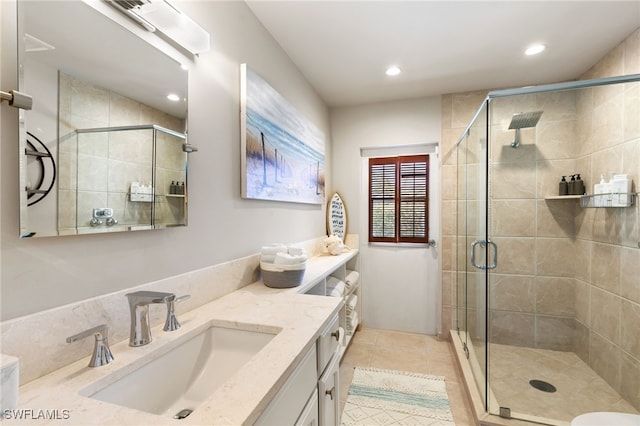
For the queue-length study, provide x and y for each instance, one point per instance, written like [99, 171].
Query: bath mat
[388, 397]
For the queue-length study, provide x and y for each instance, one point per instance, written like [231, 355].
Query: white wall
[401, 285]
[42, 273]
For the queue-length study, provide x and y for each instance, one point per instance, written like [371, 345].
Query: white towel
[351, 278]
[335, 287]
[336, 291]
[352, 323]
[351, 304]
[273, 249]
[288, 259]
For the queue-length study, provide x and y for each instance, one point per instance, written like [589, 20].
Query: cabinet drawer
[290, 401]
[328, 343]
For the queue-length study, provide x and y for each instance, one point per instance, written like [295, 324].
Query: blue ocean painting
[284, 152]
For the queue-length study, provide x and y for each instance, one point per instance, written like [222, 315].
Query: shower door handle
[484, 243]
[494, 263]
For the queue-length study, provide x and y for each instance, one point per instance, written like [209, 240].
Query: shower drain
[542, 385]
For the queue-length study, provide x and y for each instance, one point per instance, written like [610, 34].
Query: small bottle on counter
[563, 186]
[172, 187]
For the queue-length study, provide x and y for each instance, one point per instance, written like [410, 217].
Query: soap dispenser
[578, 186]
[563, 187]
[571, 185]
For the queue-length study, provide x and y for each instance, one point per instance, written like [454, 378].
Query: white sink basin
[186, 375]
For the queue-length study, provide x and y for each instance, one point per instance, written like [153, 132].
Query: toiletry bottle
[571, 186]
[181, 189]
[578, 186]
[563, 187]
[172, 187]
[620, 186]
[599, 188]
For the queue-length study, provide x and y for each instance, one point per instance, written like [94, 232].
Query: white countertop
[241, 399]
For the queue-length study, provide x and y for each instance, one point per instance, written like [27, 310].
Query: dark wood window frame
[399, 199]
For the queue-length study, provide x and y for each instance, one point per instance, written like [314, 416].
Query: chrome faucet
[101, 352]
[139, 302]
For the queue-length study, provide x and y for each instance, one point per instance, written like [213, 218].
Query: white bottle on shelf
[600, 188]
[620, 187]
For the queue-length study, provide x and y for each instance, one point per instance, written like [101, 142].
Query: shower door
[475, 253]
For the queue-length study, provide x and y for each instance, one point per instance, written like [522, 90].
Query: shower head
[522, 120]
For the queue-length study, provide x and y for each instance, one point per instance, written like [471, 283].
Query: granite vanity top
[298, 317]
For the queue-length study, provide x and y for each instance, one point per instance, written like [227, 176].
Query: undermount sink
[175, 383]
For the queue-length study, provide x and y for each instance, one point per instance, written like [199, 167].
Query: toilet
[604, 418]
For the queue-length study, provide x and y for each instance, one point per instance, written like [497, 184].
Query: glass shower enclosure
[548, 282]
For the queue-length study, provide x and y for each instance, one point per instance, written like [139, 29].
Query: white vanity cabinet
[310, 396]
[297, 396]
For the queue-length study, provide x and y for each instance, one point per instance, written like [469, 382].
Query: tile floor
[579, 388]
[407, 352]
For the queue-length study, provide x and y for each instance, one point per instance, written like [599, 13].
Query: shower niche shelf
[608, 200]
[564, 197]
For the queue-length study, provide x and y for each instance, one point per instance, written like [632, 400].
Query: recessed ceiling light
[534, 49]
[393, 71]
[173, 97]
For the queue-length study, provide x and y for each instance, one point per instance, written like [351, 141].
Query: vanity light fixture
[163, 17]
[173, 97]
[534, 49]
[393, 71]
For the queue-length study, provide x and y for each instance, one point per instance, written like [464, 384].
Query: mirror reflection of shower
[523, 120]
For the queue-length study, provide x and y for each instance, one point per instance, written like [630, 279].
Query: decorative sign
[337, 217]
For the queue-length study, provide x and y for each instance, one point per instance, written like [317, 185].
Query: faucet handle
[101, 352]
[172, 324]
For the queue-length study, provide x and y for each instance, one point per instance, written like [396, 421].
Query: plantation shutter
[398, 199]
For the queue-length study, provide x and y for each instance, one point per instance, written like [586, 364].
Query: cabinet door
[309, 416]
[329, 393]
[291, 400]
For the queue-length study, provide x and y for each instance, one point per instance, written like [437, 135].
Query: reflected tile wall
[112, 160]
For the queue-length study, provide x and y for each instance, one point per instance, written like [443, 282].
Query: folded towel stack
[351, 304]
[282, 255]
[352, 322]
[282, 266]
[352, 278]
[268, 253]
[335, 287]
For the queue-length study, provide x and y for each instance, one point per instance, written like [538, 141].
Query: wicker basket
[282, 276]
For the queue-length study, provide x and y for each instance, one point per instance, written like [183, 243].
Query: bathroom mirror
[337, 217]
[103, 149]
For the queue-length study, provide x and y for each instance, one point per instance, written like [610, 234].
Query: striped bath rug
[388, 397]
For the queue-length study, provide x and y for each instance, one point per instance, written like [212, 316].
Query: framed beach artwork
[282, 154]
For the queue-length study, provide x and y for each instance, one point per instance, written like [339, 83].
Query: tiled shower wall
[607, 284]
[568, 278]
[112, 160]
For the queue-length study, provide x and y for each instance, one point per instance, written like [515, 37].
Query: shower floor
[579, 388]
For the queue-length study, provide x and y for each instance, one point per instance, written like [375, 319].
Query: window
[399, 199]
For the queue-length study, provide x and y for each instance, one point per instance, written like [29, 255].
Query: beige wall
[568, 277]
